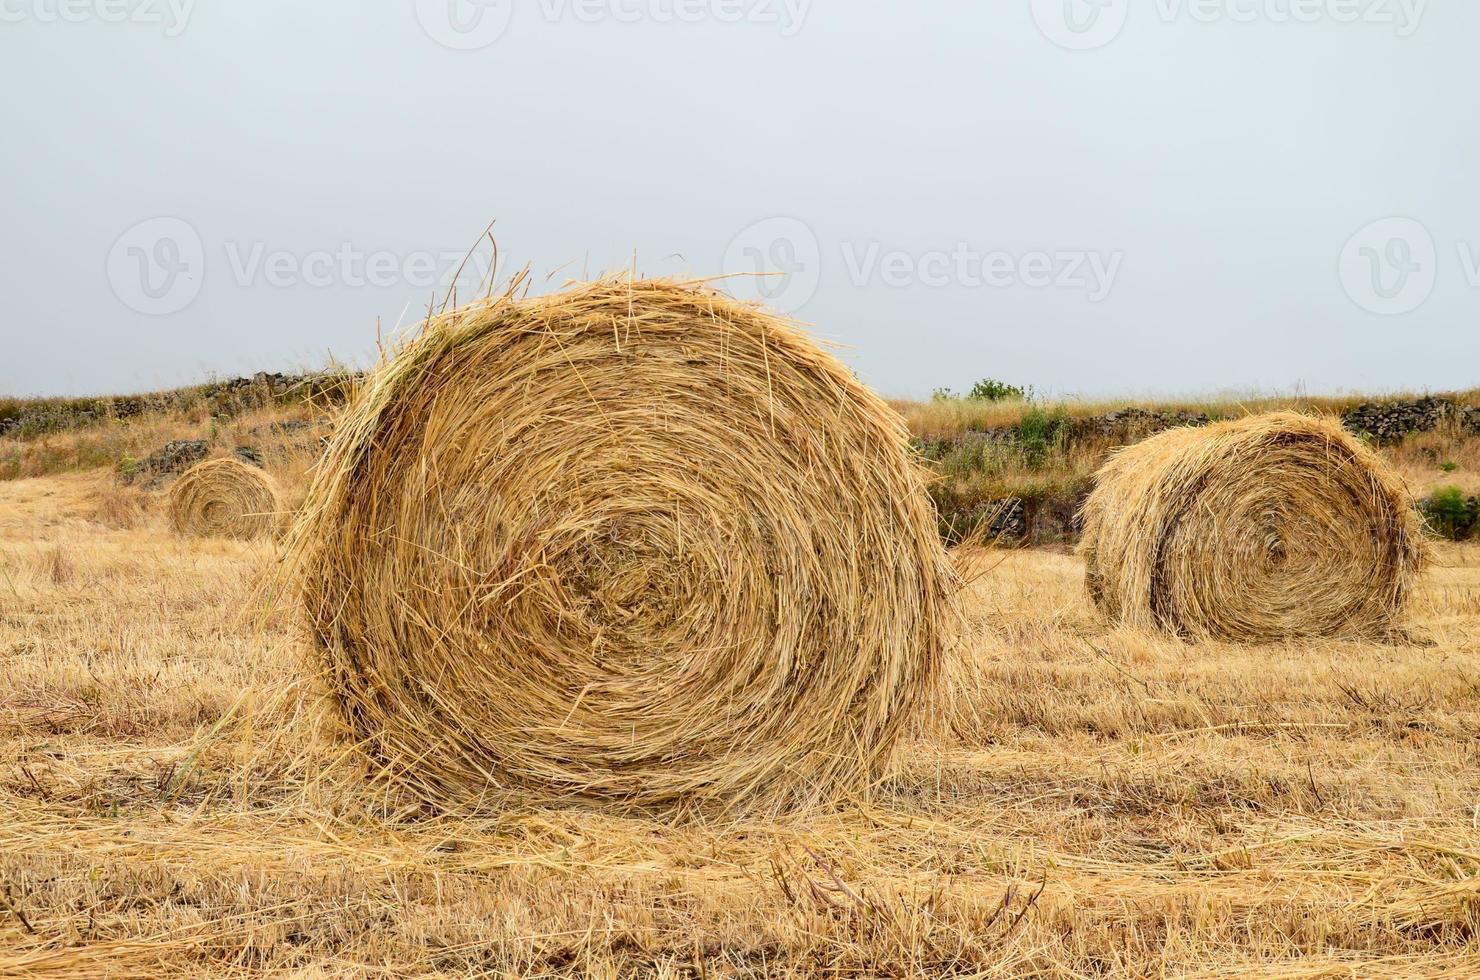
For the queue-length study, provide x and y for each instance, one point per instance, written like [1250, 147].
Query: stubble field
[1110, 804]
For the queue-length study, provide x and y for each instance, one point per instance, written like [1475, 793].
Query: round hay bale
[1264, 528]
[635, 542]
[223, 498]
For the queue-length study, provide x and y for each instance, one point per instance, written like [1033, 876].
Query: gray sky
[1150, 196]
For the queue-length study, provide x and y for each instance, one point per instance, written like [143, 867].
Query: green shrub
[1450, 514]
[992, 390]
[1449, 466]
[1040, 433]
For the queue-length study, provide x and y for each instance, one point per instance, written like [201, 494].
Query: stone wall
[229, 397]
[1383, 421]
[1388, 422]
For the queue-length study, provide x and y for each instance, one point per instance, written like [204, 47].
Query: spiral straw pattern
[223, 498]
[1265, 528]
[633, 542]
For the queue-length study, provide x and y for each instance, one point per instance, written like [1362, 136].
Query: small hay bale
[1265, 528]
[637, 543]
[223, 498]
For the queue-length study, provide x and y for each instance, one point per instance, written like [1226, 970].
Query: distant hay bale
[636, 542]
[1264, 528]
[223, 498]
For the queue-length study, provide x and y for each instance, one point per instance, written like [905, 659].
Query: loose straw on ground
[1268, 527]
[223, 498]
[634, 542]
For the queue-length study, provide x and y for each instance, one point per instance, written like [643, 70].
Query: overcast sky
[1138, 197]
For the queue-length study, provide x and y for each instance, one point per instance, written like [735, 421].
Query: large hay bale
[634, 542]
[1268, 527]
[223, 498]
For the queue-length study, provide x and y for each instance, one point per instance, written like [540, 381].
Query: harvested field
[1126, 804]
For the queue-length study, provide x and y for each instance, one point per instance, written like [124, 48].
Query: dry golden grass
[950, 417]
[1447, 456]
[1122, 804]
[120, 444]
